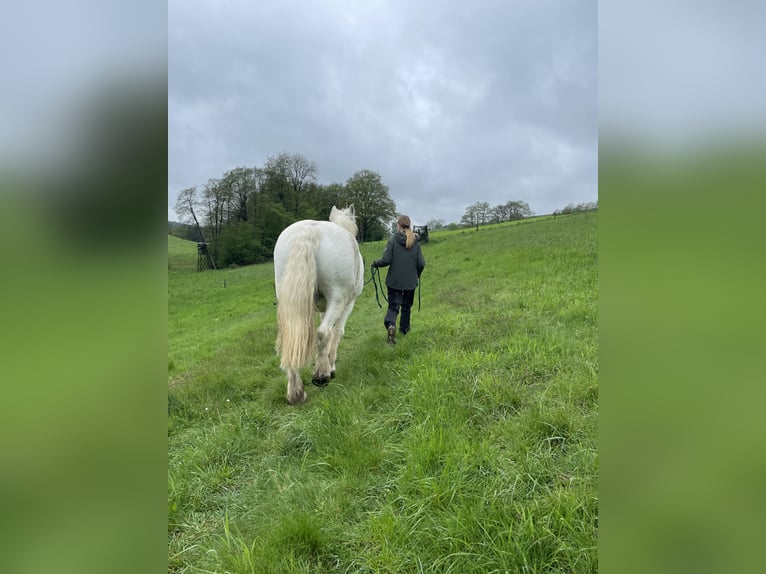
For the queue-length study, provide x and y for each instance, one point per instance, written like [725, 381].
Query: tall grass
[470, 446]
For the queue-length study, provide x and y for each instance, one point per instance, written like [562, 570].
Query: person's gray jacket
[406, 265]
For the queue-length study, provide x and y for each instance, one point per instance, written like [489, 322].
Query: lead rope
[375, 278]
[418, 294]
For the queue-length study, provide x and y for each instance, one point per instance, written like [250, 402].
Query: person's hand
[373, 267]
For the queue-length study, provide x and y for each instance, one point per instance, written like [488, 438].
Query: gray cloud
[451, 104]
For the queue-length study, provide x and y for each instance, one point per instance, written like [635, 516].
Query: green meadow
[470, 446]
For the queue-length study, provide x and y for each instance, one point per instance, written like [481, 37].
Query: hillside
[471, 446]
[182, 254]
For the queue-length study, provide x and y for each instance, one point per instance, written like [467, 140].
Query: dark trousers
[399, 299]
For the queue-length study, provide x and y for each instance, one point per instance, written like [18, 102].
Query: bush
[239, 245]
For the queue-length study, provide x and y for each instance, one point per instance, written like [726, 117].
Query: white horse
[317, 268]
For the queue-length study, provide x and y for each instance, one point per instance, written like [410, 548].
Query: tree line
[241, 214]
[481, 213]
[576, 208]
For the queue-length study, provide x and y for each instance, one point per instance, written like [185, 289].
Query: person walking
[405, 260]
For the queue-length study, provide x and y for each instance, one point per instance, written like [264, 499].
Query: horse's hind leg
[325, 335]
[332, 348]
[295, 392]
[337, 335]
[322, 373]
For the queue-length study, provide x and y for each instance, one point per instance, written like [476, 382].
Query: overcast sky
[450, 102]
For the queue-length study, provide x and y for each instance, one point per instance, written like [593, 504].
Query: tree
[516, 210]
[240, 184]
[300, 172]
[371, 201]
[255, 200]
[218, 202]
[497, 214]
[436, 224]
[572, 208]
[476, 214]
[334, 194]
[319, 199]
[287, 179]
[483, 211]
[185, 204]
[276, 180]
[470, 216]
[273, 219]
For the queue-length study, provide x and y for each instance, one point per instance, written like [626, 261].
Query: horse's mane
[345, 218]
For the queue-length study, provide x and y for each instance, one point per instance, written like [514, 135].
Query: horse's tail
[295, 306]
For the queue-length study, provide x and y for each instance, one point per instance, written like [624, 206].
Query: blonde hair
[404, 223]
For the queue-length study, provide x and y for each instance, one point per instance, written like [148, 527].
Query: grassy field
[470, 446]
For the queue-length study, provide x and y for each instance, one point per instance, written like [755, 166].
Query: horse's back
[338, 261]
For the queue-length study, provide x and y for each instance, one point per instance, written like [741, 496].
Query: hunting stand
[204, 260]
[422, 232]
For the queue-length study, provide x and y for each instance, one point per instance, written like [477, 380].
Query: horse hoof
[321, 381]
[332, 374]
[299, 399]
